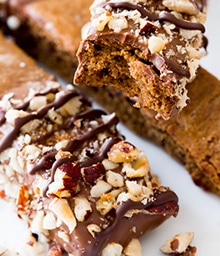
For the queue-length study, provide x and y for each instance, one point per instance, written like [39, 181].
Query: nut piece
[123, 152]
[112, 249]
[100, 188]
[178, 244]
[182, 6]
[61, 208]
[93, 229]
[133, 248]
[156, 44]
[57, 187]
[82, 208]
[114, 179]
[22, 199]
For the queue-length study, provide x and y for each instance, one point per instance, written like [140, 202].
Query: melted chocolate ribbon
[163, 16]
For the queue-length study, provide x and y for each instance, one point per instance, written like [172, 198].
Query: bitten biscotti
[148, 49]
[73, 178]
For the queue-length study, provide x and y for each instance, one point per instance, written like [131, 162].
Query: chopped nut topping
[100, 188]
[63, 212]
[178, 244]
[82, 208]
[73, 177]
[183, 6]
[123, 152]
[112, 249]
[22, 199]
[93, 229]
[133, 248]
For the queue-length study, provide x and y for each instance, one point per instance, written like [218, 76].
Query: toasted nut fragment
[112, 249]
[109, 165]
[93, 229]
[114, 179]
[137, 191]
[100, 188]
[57, 187]
[12, 114]
[22, 199]
[55, 117]
[104, 206]
[71, 107]
[38, 102]
[37, 223]
[100, 22]
[179, 243]
[141, 162]
[49, 221]
[82, 208]
[118, 23]
[61, 208]
[137, 169]
[123, 152]
[63, 235]
[30, 126]
[156, 44]
[133, 248]
[182, 6]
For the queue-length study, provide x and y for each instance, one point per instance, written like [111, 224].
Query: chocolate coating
[91, 137]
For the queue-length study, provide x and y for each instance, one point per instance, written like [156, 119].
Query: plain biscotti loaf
[49, 30]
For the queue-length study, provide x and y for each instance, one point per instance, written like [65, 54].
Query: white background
[199, 211]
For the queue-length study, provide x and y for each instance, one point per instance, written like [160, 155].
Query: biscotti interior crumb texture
[148, 49]
[72, 177]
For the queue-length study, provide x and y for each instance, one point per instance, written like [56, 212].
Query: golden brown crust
[54, 30]
[16, 67]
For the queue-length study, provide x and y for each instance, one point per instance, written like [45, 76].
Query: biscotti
[73, 178]
[32, 23]
[150, 50]
[186, 137]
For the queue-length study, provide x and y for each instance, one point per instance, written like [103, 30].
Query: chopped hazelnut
[178, 244]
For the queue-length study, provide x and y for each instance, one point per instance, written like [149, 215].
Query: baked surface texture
[192, 137]
[148, 49]
[80, 186]
[48, 30]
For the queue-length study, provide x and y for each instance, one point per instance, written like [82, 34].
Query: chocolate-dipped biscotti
[148, 49]
[189, 137]
[80, 186]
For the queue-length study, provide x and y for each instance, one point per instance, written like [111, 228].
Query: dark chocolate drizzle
[163, 16]
[48, 160]
[26, 104]
[165, 201]
[74, 144]
[20, 121]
